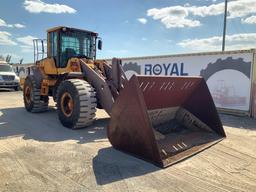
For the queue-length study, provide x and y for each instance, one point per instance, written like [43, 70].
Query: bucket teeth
[164, 119]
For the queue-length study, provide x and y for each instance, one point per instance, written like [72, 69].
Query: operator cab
[64, 43]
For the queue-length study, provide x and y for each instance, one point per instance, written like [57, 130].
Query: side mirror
[100, 44]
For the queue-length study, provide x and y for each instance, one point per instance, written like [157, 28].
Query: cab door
[53, 47]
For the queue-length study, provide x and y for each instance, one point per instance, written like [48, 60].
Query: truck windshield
[5, 68]
[76, 44]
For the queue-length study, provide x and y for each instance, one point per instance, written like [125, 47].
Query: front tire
[76, 103]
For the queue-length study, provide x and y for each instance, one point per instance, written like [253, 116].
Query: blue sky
[130, 27]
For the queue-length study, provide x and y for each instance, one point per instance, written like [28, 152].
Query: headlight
[17, 78]
[1, 78]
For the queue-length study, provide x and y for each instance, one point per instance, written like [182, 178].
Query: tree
[8, 58]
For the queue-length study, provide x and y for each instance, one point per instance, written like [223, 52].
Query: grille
[8, 77]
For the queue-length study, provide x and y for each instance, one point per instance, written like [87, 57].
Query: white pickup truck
[8, 78]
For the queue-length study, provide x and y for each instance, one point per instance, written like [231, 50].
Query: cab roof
[70, 29]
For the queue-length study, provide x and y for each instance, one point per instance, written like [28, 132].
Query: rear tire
[76, 103]
[33, 101]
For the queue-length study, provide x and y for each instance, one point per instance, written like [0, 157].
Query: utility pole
[225, 25]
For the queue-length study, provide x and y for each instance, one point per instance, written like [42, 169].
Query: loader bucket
[164, 119]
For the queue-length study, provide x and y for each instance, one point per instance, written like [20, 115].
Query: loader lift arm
[107, 80]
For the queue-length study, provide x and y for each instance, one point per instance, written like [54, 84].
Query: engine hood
[7, 73]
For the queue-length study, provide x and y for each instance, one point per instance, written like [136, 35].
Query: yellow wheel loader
[159, 119]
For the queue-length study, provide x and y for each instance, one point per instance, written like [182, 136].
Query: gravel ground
[38, 154]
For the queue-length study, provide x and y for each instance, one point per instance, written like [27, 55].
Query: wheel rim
[28, 94]
[67, 104]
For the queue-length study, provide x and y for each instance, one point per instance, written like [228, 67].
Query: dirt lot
[38, 154]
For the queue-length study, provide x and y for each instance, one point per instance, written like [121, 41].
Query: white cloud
[142, 20]
[38, 6]
[17, 25]
[5, 38]
[236, 41]
[144, 39]
[4, 24]
[241, 8]
[203, 11]
[183, 16]
[250, 20]
[173, 17]
[236, 8]
[26, 43]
